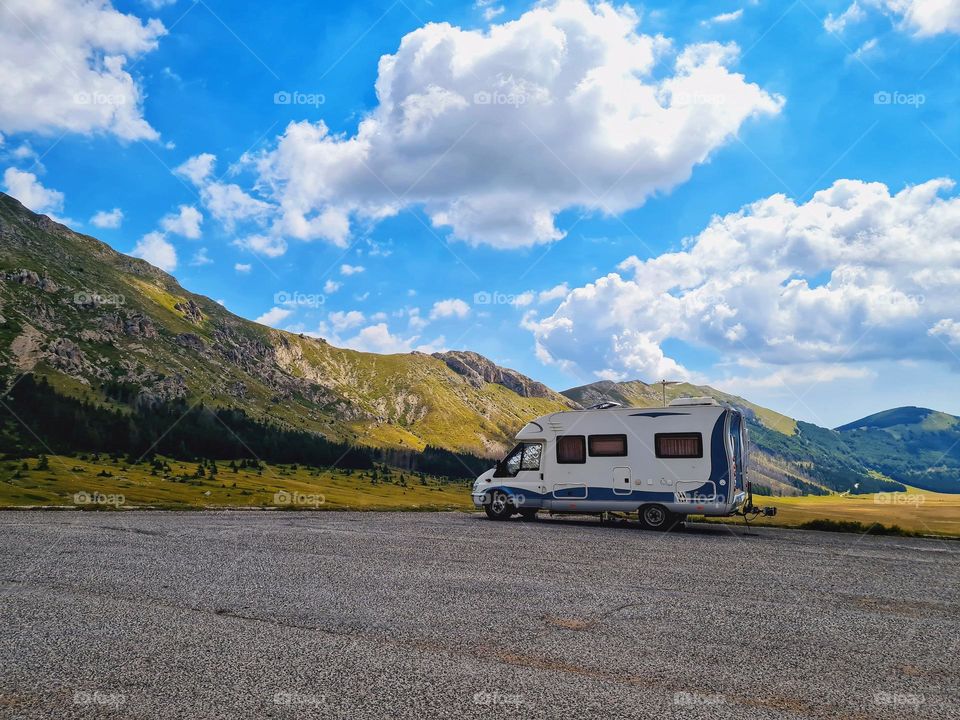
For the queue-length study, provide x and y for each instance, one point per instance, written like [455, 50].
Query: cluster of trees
[35, 419]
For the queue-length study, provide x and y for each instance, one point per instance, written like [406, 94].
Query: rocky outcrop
[133, 324]
[191, 311]
[478, 371]
[191, 342]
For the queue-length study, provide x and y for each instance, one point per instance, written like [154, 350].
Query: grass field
[106, 483]
[103, 482]
[915, 510]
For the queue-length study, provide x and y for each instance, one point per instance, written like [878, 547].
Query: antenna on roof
[663, 388]
[606, 405]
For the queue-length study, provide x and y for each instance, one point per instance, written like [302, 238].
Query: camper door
[520, 473]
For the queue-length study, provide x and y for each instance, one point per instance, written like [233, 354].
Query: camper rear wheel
[657, 517]
[499, 507]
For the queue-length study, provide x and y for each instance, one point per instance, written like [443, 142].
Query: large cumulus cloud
[855, 273]
[494, 132]
[63, 67]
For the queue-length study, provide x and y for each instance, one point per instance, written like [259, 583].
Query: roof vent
[605, 405]
[687, 401]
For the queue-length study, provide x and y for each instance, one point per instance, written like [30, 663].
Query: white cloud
[343, 320]
[111, 219]
[331, 286]
[201, 258]
[378, 338]
[227, 202]
[263, 245]
[274, 316]
[948, 329]
[797, 376]
[351, 269]
[25, 187]
[523, 299]
[923, 18]
[186, 221]
[198, 168]
[156, 250]
[724, 18]
[865, 48]
[554, 293]
[62, 64]
[452, 307]
[494, 132]
[855, 274]
[242, 268]
[850, 16]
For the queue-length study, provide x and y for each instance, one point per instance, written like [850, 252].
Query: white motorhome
[664, 463]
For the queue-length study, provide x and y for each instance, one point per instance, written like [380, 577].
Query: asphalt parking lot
[417, 615]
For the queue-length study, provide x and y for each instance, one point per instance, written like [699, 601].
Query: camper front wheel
[656, 517]
[500, 507]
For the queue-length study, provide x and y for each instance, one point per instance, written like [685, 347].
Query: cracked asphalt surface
[416, 615]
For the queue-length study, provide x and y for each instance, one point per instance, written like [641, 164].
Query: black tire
[529, 514]
[657, 517]
[499, 507]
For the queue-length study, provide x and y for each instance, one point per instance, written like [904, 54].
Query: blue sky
[753, 195]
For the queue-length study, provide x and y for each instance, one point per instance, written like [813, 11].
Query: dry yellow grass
[915, 510]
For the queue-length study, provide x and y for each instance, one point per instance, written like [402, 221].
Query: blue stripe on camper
[593, 494]
[656, 414]
[719, 465]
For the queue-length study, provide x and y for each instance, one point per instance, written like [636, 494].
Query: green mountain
[99, 350]
[916, 445]
[115, 331]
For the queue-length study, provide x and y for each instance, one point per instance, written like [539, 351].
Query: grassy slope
[332, 490]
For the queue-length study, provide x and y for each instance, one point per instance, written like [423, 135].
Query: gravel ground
[405, 615]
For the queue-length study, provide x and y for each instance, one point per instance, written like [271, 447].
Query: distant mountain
[916, 445]
[904, 420]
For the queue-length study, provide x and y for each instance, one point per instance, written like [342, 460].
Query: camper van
[663, 463]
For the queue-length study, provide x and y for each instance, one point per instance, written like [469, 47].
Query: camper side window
[608, 445]
[679, 445]
[571, 449]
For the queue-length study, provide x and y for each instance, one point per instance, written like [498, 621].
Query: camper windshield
[525, 456]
